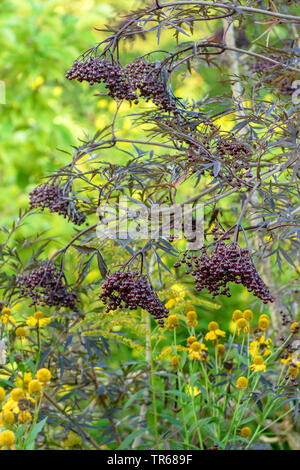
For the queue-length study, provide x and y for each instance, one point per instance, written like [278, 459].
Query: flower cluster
[46, 286]
[132, 290]
[56, 198]
[227, 263]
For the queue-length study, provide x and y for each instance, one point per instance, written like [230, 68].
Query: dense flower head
[245, 432]
[198, 351]
[43, 375]
[20, 332]
[191, 318]
[295, 327]
[236, 315]
[248, 315]
[214, 332]
[7, 439]
[221, 350]
[34, 387]
[173, 322]
[190, 340]
[258, 364]
[263, 323]
[16, 394]
[7, 417]
[242, 383]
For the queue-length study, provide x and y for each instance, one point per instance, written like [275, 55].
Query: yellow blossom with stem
[173, 322]
[43, 375]
[242, 324]
[198, 351]
[191, 318]
[242, 383]
[248, 315]
[214, 332]
[34, 387]
[263, 322]
[258, 364]
[20, 332]
[260, 346]
[190, 340]
[236, 315]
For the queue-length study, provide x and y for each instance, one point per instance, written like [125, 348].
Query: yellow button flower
[220, 350]
[20, 332]
[43, 375]
[198, 351]
[248, 315]
[34, 387]
[7, 439]
[191, 339]
[214, 332]
[246, 432]
[236, 315]
[263, 323]
[173, 322]
[16, 394]
[191, 318]
[242, 383]
[8, 417]
[258, 364]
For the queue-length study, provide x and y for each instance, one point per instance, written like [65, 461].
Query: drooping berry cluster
[132, 290]
[147, 78]
[56, 198]
[226, 263]
[96, 70]
[46, 286]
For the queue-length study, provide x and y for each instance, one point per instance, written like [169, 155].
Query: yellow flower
[16, 394]
[7, 439]
[173, 322]
[260, 347]
[198, 351]
[34, 387]
[242, 324]
[20, 332]
[258, 364]
[245, 432]
[43, 375]
[24, 417]
[295, 326]
[2, 394]
[220, 350]
[38, 315]
[263, 323]
[32, 321]
[242, 383]
[214, 331]
[8, 417]
[236, 315]
[6, 311]
[192, 391]
[286, 360]
[170, 303]
[191, 339]
[191, 318]
[248, 315]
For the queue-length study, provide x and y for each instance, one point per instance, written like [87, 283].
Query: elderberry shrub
[57, 199]
[46, 286]
[226, 263]
[96, 70]
[132, 290]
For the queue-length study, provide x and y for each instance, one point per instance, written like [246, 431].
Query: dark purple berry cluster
[131, 290]
[96, 70]
[46, 286]
[226, 263]
[56, 198]
[147, 78]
